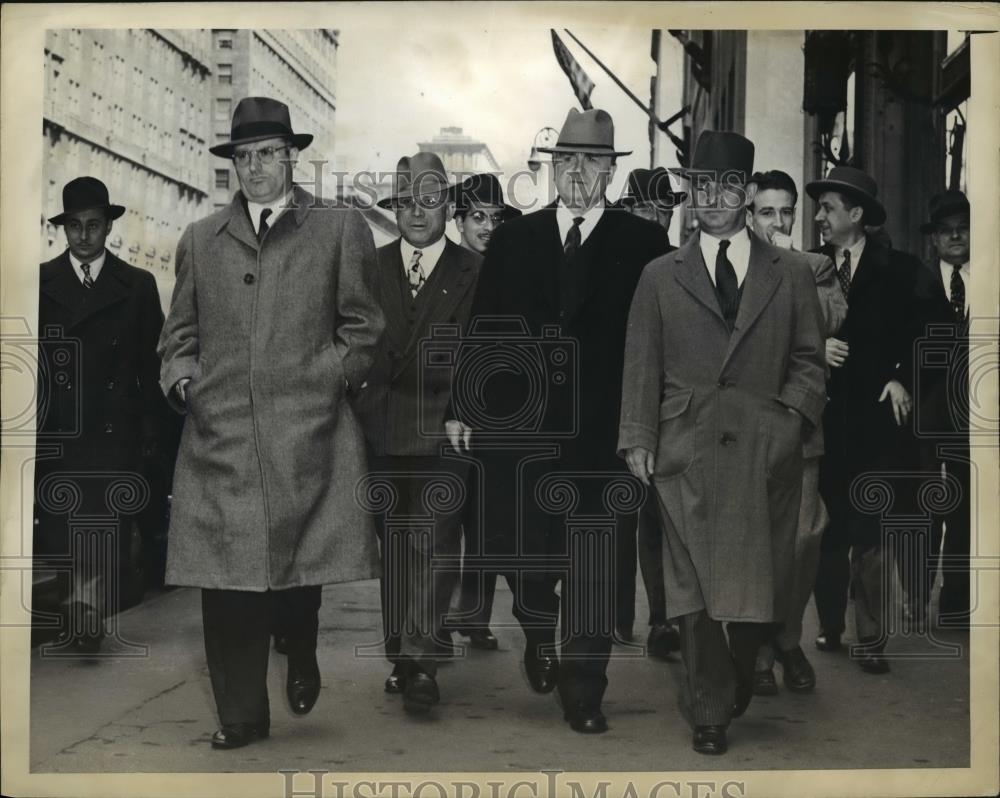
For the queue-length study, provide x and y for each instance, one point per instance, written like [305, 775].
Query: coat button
[111, 385]
[68, 386]
[114, 342]
[108, 429]
[723, 384]
[248, 278]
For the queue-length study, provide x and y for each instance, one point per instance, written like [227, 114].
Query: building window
[225, 74]
[224, 40]
[223, 106]
[222, 178]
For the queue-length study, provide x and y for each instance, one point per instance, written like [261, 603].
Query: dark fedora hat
[591, 132]
[419, 175]
[855, 184]
[257, 119]
[86, 194]
[653, 186]
[482, 189]
[722, 152]
[944, 206]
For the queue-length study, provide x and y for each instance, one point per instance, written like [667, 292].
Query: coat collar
[60, 283]
[235, 221]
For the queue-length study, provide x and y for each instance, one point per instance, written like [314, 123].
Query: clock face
[547, 137]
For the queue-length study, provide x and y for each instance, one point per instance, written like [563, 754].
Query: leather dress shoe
[420, 692]
[869, 657]
[764, 683]
[828, 642]
[586, 720]
[744, 695]
[624, 633]
[663, 640]
[303, 684]
[542, 672]
[236, 735]
[281, 644]
[710, 739]
[483, 639]
[799, 675]
[396, 680]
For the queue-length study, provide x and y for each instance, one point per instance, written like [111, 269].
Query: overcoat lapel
[546, 278]
[758, 287]
[237, 223]
[389, 275]
[109, 289]
[61, 284]
[693, 277]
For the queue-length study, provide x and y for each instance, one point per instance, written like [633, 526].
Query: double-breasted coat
[273, 336]
[714, 409]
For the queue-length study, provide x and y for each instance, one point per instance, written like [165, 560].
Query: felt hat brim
[874, 212]
[113, 211]
[298, 140]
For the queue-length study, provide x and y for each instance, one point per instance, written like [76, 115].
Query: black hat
[857, 185]
[419, 175]
[653, 186]
[86, 194]
[257, 119]
[482, 189]
[721, 152]
[944, 206]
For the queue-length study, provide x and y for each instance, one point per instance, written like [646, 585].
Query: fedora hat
[481, 189]
[855, 184]
[417, 175]
[257, 119]
[944, 206]
[592, 132]
[86, 194]
[721, 152]
[653, 186]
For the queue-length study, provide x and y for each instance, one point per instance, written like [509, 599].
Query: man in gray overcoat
[272, 328]
[723, 376]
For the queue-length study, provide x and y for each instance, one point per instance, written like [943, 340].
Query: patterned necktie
[844, 273]
[264, 226]
[573, 239]
[727, 284]
[416, 273]
[88, 281]
[958, 294]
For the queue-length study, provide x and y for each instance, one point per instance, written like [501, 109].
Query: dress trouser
[955, 595]
[812, 521]
[833, 579]
[626, 549]
[237, 626]
[713, 667]
[478, 585]
[650, 544]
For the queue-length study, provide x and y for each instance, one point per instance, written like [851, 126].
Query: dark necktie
[416, 273]
[844, 273]
[88, 281]
[264, 226]
[573, 239]
[726, 283]
[958, 294]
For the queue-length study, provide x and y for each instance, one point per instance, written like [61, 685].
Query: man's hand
[457, 431]
[901, 401]
[180, 388]
[640, 463]
[836, 352]
[781, 240]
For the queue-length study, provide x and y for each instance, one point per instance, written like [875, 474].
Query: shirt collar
[565, 217]
[95, 265]
[431, 252]
[277, 206]
[855, 249]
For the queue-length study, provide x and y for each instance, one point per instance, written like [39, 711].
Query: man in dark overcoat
[272, 329]
[100, 408]
[423, 279]
[723, 378]
[537, 387]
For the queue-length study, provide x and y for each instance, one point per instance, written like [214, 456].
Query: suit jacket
[714, 409]
[403, 408]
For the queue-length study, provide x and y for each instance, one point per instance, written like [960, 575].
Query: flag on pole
[582, 85]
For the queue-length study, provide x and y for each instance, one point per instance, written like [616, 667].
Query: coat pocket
[676, 449]
[784, 445]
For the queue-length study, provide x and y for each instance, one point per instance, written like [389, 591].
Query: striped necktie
[88, 281]
[416, 273]
[844, 273]
[958, 294]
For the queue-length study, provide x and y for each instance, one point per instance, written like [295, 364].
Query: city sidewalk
[155, 713]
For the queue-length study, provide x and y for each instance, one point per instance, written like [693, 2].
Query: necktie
[844, 273]
[88, 281]
[726, 283]
[573, 239]
[958, 294]
[416, 273]
[264, 226]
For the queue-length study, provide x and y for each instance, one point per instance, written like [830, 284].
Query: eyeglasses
[480, 217]
[426, 201]
[588, 160]
[265, 155]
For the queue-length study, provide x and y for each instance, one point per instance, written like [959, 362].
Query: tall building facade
[460, 153]
[130, 107]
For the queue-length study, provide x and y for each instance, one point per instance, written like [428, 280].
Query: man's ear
[451, 210]
[749, 192]
[855, 213]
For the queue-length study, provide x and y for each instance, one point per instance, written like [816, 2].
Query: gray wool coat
[714, 409]
[274, 337]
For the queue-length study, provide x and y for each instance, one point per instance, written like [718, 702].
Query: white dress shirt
[565, 217]
[738, 253]
[946, 272]
[855, 250]
[95, 265]
[428, 260]
[276, 207]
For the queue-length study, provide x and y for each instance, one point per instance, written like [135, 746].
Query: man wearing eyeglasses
[272, 330]
[480, 209]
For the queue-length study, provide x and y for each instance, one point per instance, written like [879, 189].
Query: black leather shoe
[624, 633]
[281, 644]
[710, 739]
[764, 683]
[236, 735]
[799, 675]
[869, 657]
[302, 685]
[744, 695]
[542, 672]
[420, 692]
[828, 642]
[586, 720]
[396, 680]
[483, 639]
[663, 640]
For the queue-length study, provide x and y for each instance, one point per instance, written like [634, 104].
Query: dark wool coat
[271, 336]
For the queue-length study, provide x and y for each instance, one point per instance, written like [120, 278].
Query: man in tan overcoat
[272, 328]
[723, 376]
